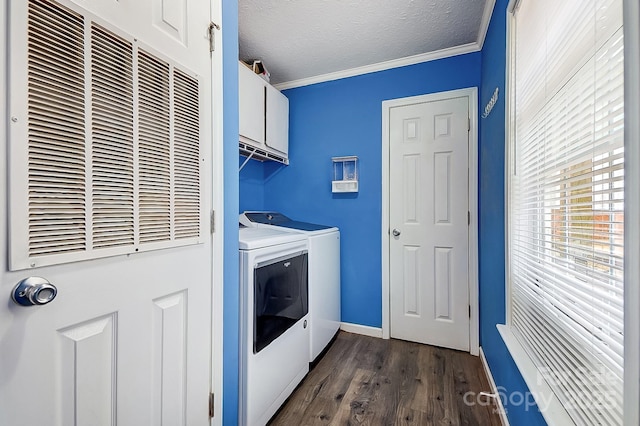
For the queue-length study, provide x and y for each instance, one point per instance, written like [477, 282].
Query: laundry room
[328, 121]
[342, 118]
[357, 114]
[270, 213]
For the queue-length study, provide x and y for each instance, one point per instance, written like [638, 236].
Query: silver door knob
[395, 233]
[34, 291]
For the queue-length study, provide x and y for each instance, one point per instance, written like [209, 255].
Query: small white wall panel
[169, 359]
[442, 187]
[443, 285]
[88, 372]
[411, 196]
[412, 280]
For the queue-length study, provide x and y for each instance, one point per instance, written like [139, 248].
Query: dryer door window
[280, 298]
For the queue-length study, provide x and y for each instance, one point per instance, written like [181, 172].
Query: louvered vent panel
[112, 144]
[154, 149]
[56, 130]
[186, 156]
[112, 139]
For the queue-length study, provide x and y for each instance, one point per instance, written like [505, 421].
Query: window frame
[548, 404]
[631, 17]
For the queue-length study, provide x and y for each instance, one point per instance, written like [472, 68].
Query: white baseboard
[494, 389]
[361, 329]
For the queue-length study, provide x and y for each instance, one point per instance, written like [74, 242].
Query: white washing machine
[324, 273]
[274, 317]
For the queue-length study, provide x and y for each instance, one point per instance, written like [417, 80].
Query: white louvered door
[108, 189]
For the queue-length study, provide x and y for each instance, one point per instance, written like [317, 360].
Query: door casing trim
[472, 94]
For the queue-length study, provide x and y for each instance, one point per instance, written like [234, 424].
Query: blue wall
[231, 190]
[344, 117]
[251, 185]
[491, 234]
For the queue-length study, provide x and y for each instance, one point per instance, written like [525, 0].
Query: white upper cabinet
[252, 105]
[264, 118]
[277, 113]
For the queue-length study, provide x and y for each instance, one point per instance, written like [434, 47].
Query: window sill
[548, 404]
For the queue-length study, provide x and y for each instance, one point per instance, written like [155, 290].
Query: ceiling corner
[484, 24]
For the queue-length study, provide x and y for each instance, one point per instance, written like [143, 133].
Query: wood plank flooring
[368, 381]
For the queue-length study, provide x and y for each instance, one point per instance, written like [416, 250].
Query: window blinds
[566, 200]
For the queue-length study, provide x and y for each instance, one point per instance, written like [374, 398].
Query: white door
[429, 292]
[108, 112]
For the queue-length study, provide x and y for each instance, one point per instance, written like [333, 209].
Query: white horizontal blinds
[566, 201]
[186, 156]
[154, 149]
[112, 139]
[113, 159]
[56, 130]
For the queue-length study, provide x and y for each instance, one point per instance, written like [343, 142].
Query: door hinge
[212, 35]
[468, 124]
[469, 311]
[213, 221]
[211, 405]
[468, 218]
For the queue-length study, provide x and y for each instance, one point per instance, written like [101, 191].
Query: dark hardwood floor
[367, 381]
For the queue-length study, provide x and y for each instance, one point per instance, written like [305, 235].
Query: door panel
[88, 356]
[442, 283]
[442, 187]
[170, 16]
[127, 340]
[411, 275]
[411, 171]
[428, 211]
[168, 358]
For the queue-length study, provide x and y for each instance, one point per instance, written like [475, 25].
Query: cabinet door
[252, 104]
[277, 136]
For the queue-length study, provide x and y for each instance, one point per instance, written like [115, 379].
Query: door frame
[472, 94]
[217, 224]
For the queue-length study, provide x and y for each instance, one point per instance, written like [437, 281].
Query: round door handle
[34, 291]
[395, 233]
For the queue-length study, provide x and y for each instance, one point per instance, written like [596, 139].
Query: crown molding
[484, 23]
[381, 66]
[402, 62]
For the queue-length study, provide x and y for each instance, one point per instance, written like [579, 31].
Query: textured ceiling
[303, 39]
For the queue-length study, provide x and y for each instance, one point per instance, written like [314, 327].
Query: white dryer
[324, 273]
[273, 320]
